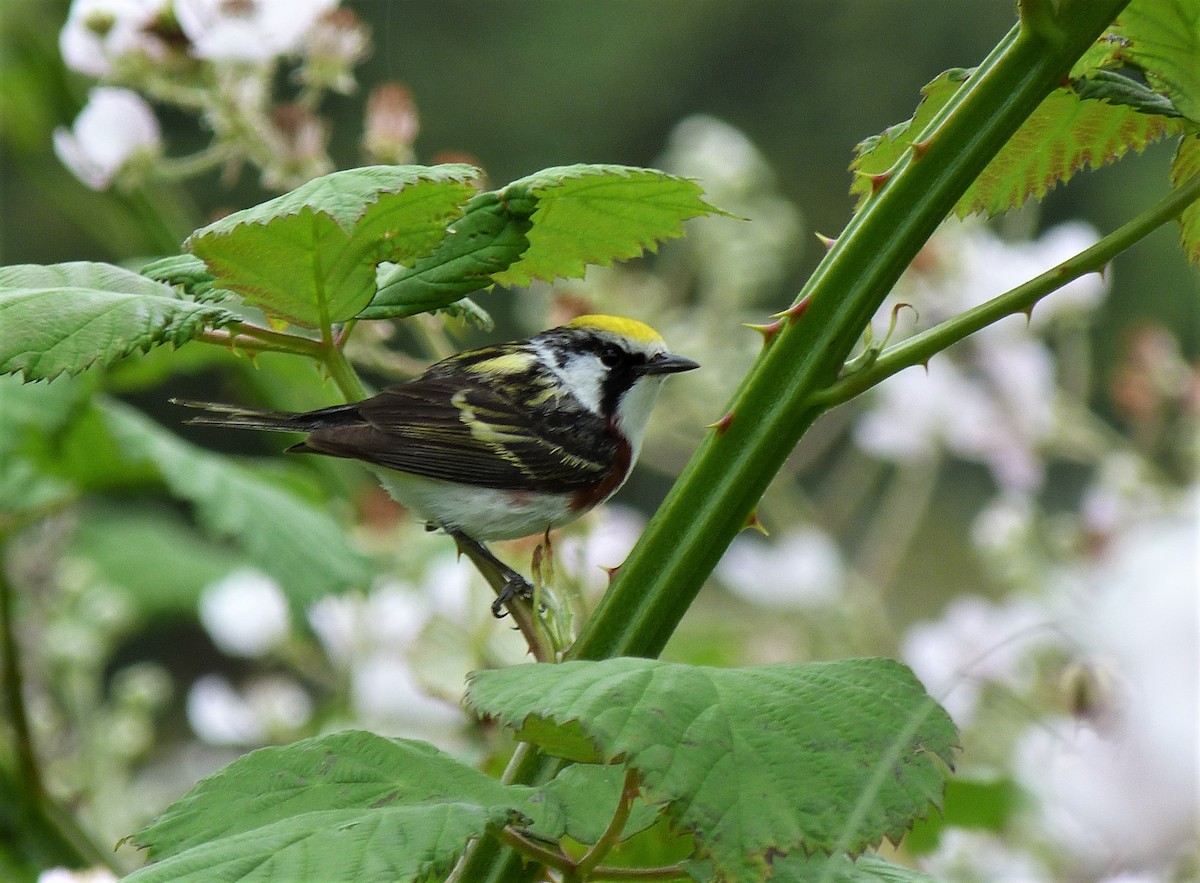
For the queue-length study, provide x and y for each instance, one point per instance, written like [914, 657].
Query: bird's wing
[463, 431]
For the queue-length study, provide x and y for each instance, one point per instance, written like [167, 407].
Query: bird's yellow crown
[630, 328]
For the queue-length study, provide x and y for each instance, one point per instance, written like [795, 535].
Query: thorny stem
[918, 349]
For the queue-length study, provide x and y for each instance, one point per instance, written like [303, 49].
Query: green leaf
[755, 762]
[596, 214]
[309, 256]
[189, 273]
[352, 806]
[586, 797]
[284, 534]
[1064, 134]
[1162, 38]
[395, 844]
[65, 318]
[488, 238]
[1186, 165]
[1116, 88]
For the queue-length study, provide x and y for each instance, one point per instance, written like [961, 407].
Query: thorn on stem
[611, 571]
[826, 241]
[794, 312]
[920, 147]
[722, 425]
[877, 180]
[753, 522]
[768, 331]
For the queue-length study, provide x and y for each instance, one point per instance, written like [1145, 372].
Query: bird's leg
[515, 585]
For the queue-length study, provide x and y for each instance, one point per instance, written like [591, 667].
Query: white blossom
[975, 642]
[609, 538]
[980, 857]
[384, 692]
[246, 613]
[114, 128]
[67, 875]
[268, 707]
[99, 32]
[1120, 793]
[800, 568]
[248, 30]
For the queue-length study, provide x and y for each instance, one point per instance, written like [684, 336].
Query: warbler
[502, 442]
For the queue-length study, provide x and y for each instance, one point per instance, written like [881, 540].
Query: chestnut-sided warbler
[501, 442]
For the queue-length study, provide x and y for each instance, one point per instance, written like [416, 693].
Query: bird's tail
[246, 418]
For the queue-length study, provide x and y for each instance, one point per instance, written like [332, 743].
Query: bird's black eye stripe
[611, 355]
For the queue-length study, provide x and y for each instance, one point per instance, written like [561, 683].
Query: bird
[506, 441]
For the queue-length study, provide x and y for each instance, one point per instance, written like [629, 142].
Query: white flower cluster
[216, 58]
[1114, 780]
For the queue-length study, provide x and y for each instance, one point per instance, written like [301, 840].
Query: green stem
[278, 341]
[248, 343]
[723, 482]
[521, 611]
[343, 373]
[920, 348]
[182, 167]
[612, 833]
[532, 850]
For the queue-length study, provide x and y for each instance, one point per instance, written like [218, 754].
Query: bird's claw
[516, 587]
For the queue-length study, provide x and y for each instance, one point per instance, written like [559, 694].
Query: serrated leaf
[309, 256]
[1185, 166]
[1065, 133]
[189, 273]
[66, 318]
[596, 214]
[753, 761]
[399, 844]
[418, 805]
[488, 238]
[1162, 38]
[280, 532]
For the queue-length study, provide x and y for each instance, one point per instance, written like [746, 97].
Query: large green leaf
[388, 844]
[352, 806]
[490, 236]
[1064, 134]
[65, 318]
[755, 762]
[1186, 165]
[309, 256]
[1162, 37]
[287, 536]
[596, 214]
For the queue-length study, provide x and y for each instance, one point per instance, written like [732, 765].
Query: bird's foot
[516, 587]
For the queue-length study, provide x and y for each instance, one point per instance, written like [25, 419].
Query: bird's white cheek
[634, 411]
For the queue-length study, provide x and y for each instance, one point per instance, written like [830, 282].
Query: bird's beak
[665, 363]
